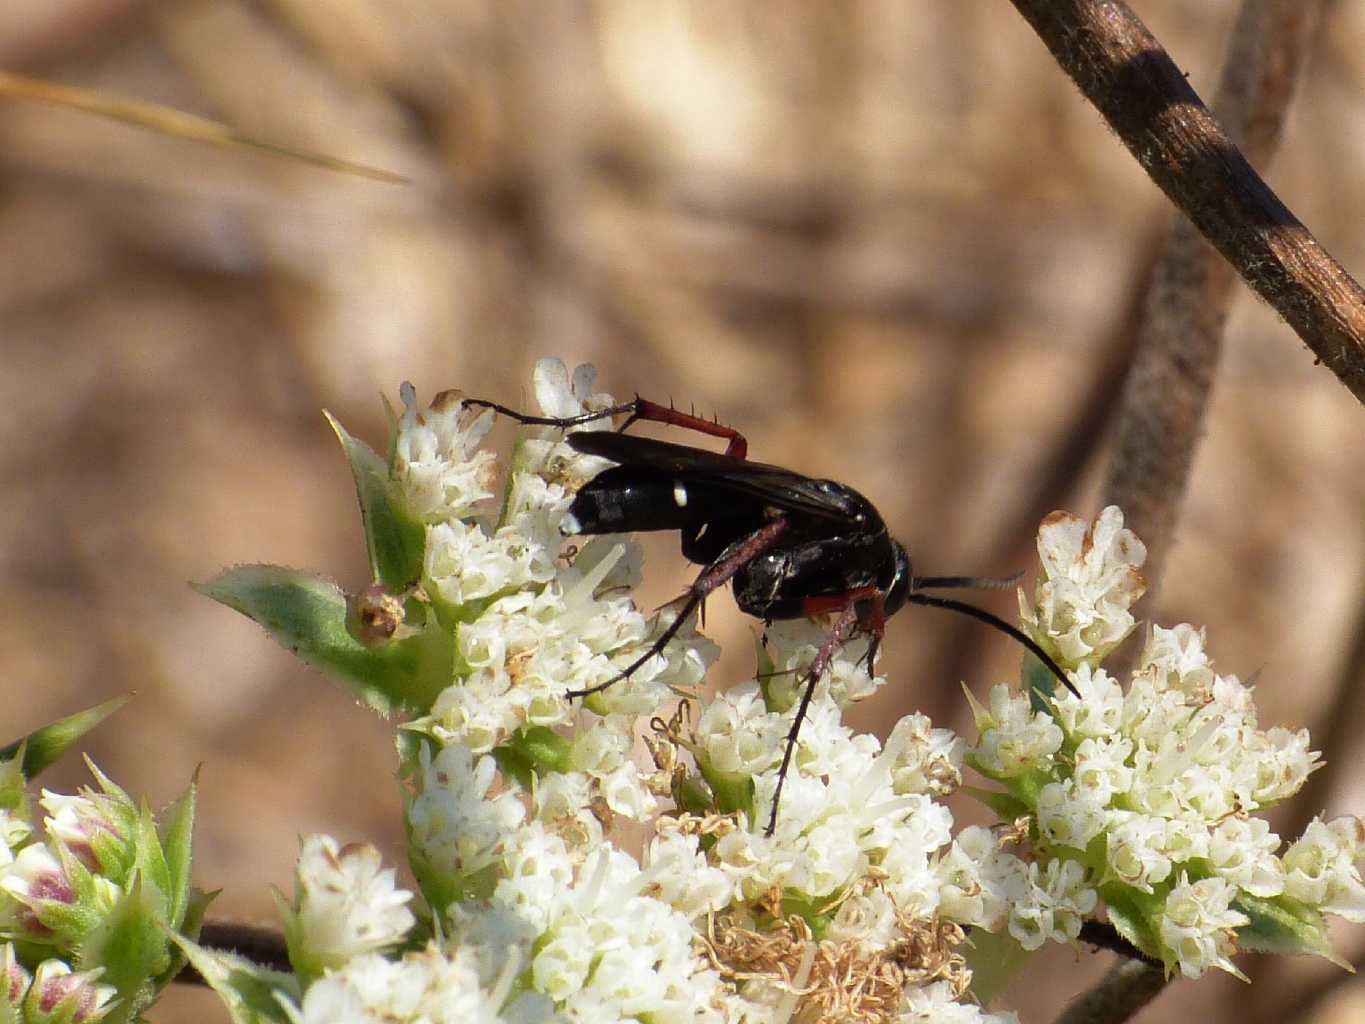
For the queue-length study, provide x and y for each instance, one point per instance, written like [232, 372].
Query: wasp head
[901, 579]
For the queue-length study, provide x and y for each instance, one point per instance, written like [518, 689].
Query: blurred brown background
[887, 240]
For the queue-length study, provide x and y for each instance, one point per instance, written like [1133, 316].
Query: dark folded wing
[772, 485]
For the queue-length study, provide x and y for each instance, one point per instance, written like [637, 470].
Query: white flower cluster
[1147, 796]
[856, 906]
[434, 985]
[515, 796]
[1037, 903]
[534, 887]
[437, 462]
[347, 904]
[528, 624]
[1079, 612]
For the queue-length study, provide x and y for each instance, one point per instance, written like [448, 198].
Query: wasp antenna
[965, 582]
[994, 621]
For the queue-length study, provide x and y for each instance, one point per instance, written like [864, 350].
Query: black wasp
[790, 545]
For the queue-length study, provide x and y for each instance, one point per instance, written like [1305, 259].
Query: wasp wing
[771, 485]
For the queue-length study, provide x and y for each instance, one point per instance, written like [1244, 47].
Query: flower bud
[58, 995]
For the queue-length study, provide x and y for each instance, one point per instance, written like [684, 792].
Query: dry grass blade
[177, 123]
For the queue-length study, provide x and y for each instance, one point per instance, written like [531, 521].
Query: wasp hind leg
[735, 557]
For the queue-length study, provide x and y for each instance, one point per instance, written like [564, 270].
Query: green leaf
[44, 746]
[152, 870]
[250, 992]
[765, 672]
[394, 541]
[409, 741]
[817, 912]
[996, 960]
[130, 944]
[392, 419]
[534, 750]
[307, 615]
[1005, 805]
[1284, 925]
[295, 939]
[196, 909]
[1038, 682]
[733, 791]
[513, 764]
[1132, 912]
[691, 793]
[177, 837]
[543, 748]
[981, 715]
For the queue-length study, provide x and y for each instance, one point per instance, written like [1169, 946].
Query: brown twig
[1135, 85]
[1144, 97]
[1167, 390]
[1127, 988]
[1104, 935]
[262, 946]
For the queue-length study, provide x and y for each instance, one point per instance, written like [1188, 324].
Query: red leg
[736, 445]
[868, 597]
[871, 611]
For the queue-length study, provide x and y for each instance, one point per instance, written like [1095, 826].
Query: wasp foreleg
[737, 446]
[840, 632]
